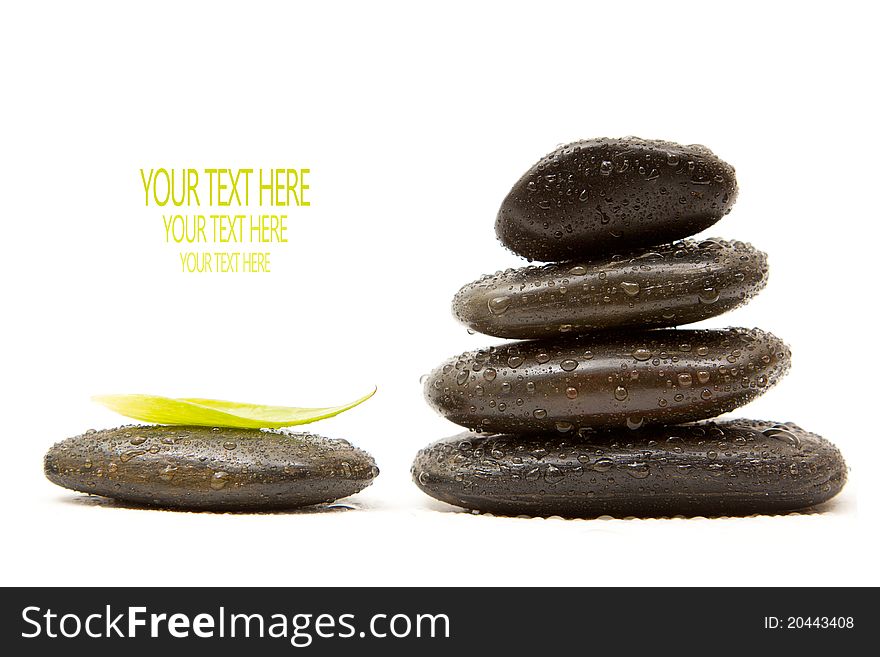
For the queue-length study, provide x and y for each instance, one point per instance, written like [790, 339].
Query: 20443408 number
[819, 622]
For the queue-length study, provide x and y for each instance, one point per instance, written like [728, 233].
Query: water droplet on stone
[641, 354]
[167, 473]
[637, 470]
[634, 422]
[620, 393]
[603, 465]
[553, 474]
[125, 457]
[631, 289]
[780, 433]
[709, 295]
[568, 364]
[499, 305]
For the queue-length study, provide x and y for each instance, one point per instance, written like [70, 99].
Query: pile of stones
[599, 406]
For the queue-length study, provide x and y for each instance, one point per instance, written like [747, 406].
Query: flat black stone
[602, 196]
[612, 379]
[658, 286]
[739, 467]
[210, 469]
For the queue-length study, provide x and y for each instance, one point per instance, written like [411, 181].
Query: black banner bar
[276, 621]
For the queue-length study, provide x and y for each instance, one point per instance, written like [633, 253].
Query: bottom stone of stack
[737, 467]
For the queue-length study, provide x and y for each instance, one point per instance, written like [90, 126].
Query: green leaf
[217, 413]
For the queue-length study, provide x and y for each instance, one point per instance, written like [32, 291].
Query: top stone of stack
[598, 196]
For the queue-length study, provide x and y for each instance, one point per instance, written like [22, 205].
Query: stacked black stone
[600, 407]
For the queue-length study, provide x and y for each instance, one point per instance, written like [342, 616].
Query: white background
[415, 122]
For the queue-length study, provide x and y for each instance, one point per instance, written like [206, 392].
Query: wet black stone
[658, 286]
[211, 469]
[613, 379]
[601, 196]
[737, 467]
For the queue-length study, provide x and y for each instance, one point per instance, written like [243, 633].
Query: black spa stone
[603, 196]
[624, 379]
[210, 469]
[737, 467]
[658, 286]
